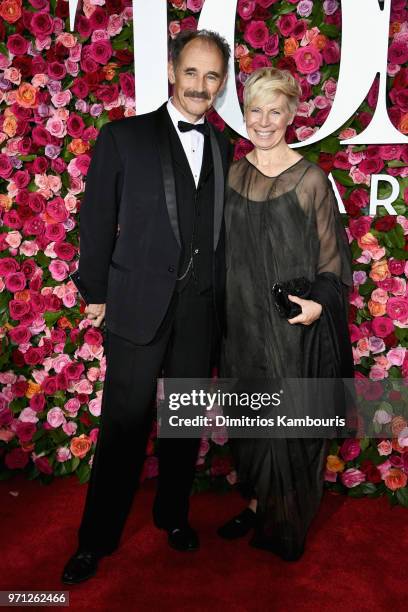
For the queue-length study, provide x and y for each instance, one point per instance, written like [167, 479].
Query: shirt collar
[176, 116]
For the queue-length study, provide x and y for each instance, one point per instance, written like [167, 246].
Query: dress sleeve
[334, 251]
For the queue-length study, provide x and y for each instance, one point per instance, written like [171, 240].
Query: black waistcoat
[195, 207]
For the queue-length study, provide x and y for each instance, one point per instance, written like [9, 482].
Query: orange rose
[77, 146]
[64, 323]
[376, 309]
[395, 479]
[395, 28]
[23, 295]
[10, 126]
[396, 446]
[398, 423]
[403, 124]
[5, 201]
[80, 445]
[10, 10]
[319, 41]
[334, 463]
[379, 270]
[26, 96]
[32, 389]
[245, 64]
[368, 242]
[291, 44]
[109, 70]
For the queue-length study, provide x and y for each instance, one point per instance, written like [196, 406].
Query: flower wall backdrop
[57, 89]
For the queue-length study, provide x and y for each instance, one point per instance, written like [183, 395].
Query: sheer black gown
[277, 229]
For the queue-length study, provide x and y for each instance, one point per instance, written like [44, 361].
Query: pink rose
[195, 5]
[59, 270]
[246, 9]
[56, 127]
[384, 468]
[397, 309]
[55, 417]
[352, 477]
[384, 447]
[72, 405]
[63, 454]
[396, 356]
[350, 449]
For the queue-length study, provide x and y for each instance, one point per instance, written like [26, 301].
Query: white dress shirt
[192, 141]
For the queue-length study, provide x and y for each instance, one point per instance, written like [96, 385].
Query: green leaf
[52, 317]
[368, 488]
[402, 496]
[329, 30]
[343, 178]
[330, 145]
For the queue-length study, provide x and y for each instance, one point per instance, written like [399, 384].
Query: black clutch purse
[301, 287]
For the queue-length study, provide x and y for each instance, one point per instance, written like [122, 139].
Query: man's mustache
[201, 95]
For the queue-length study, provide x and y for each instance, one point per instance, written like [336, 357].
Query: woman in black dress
[282, 222]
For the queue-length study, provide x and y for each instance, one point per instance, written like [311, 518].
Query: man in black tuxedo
[152, 264]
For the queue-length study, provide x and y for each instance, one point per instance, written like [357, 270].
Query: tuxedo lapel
[162, 129]
[219, 180]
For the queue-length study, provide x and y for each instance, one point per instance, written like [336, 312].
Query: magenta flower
[308, 59]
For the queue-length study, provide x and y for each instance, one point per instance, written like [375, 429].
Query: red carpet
[356, 557]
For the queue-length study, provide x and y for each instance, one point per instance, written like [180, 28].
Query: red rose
[49, 385]
[83, 26]
[65, 250]
[116, 113]
[99, 19]
[359, 227]
[37, 402]
[16, 459]
[396, 266]
[80, 88]
[43, 465]
[256, 34]
[34, 355]
[371, 471]
[41, 24]
[17, 44]
[93, 337]
[100, 51]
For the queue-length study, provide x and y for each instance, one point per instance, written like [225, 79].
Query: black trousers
[181, 349]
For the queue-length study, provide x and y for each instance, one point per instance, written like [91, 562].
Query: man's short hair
[178, 43]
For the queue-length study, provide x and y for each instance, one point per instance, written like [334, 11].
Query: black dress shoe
[81, 566]
[183, 538]
[238, 526]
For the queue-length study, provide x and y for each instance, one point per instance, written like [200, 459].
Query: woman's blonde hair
[266, 81]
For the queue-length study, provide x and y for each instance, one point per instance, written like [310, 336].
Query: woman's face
[266, 123]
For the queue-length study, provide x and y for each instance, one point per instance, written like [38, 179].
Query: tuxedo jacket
[129, 233]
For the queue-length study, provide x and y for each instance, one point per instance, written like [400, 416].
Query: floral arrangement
[56, 90]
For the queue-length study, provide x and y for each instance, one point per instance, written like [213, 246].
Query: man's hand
[95, 313]
[311, 311]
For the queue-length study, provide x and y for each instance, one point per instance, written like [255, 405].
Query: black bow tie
[203, 128]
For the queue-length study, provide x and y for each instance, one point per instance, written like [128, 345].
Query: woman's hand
[311, 311]
[95, 313]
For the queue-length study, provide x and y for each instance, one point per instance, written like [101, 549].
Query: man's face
[198, 78]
